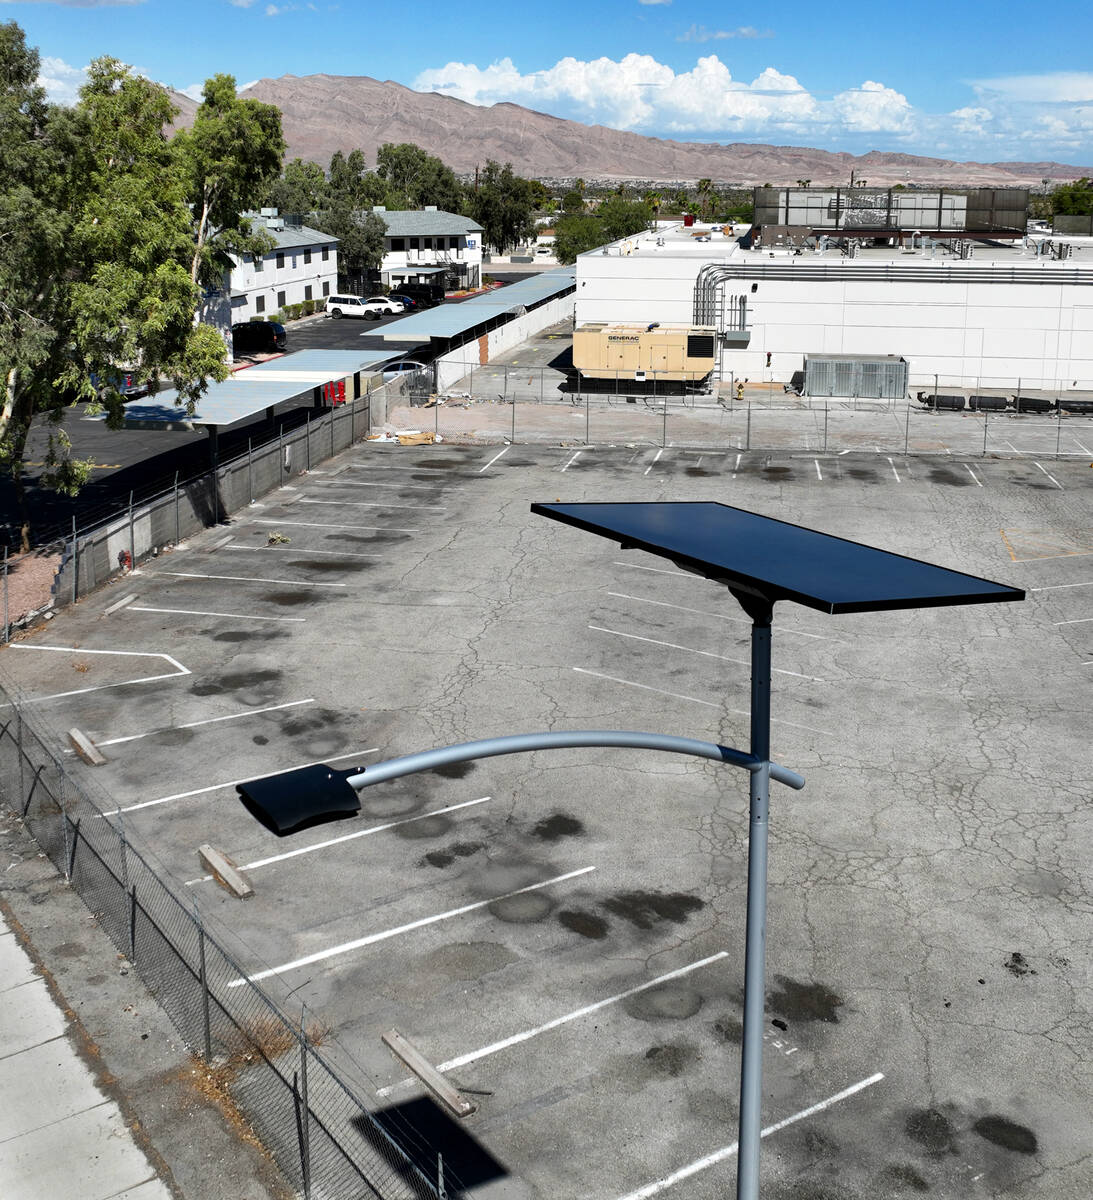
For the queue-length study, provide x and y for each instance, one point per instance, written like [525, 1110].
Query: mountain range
[324, 113]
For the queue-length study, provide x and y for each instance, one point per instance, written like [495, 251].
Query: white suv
[356, 306]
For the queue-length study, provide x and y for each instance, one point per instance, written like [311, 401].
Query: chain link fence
[555, 405]
[325, 1139]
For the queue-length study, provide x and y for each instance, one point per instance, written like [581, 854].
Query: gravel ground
[28, 581]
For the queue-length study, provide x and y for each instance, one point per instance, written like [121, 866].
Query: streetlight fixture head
[296, 800]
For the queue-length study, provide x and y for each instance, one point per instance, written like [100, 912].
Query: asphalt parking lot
[563, 933]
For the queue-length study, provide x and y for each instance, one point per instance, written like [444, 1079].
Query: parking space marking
[740, 662]
[323, 525]
[571, 462]
[979, 482]
[819, 473]
[1075, 621]
[250, 712]
[894, 471]
[1054, 587]
[253, 579]
[385, 467]
[701, 612]
[217, 787]
[1049, 475]
[420, 923]
[739, 712]
[100, 687]
[494, 459]
[657, 570]
[345, 837]
[494, 1047]
[656, 459]
[300, 550]
[197, 612]
[377, 504]
[719, 1156]
[367, 483]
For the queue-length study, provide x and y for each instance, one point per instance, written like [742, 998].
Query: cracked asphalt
[563, 932]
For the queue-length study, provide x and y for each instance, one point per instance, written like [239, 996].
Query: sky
[954, 80]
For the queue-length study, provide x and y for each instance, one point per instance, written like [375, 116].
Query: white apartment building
[430, 245]
[303, 265]
[1002, 316]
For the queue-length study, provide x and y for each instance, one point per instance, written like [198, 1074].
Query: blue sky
[955, 80]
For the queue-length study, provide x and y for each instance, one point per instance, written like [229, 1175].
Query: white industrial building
[961, 313]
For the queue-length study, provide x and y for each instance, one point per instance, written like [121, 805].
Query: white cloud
[974, 119]
[1056, 87]
[873, 108]
[61, 81]
[196, 91]
[699, 33]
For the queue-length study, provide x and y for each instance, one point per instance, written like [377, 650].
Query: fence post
[75, 563]
[7, 629]
[72, 850]
[664, 421]
[303, 1113]
[587, 415]
[250, 472]
[206, 1025]
[281, 455]
[1058, 427]
[333, 415]
[907, 428]
[133, 923]
[441, 1189]
[22, 761]
[986, 417]
[307, 442]
[513, 408]
[747, 444]
[178, 526]
[64, 817]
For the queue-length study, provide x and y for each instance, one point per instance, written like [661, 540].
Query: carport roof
[251, 391]
[451, 320]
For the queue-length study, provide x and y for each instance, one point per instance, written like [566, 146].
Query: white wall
[967, 333]
[293, 279]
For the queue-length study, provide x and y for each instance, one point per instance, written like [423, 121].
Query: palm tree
[653, 199]
[705, 196]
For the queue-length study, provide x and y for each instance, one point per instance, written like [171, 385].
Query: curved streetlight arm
[523, 743]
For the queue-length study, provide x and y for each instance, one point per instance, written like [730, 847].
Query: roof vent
[378, 208]
[430, 208]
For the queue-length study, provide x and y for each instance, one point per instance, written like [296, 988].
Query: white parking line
[197, 612]
[719, 1156]
[740, 662]
[528, 1034]
[377, 504]
[345, 837]
[571, 462]
[739, 712]
[217, 787]
[101, 687]
[1054, 587]
[494, 459]
[363, 483]
[250, 712]
[894, 471]
[372, 938]
[1075, 621]
[253, 579]
[978, 481]
[323, 525]
[701, 612]
[656, 459]
[1051, 477]
[299, 550]
[658, 570]
[411, 470]
[819, 473]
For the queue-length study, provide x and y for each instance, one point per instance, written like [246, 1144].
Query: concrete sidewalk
[99, 1099]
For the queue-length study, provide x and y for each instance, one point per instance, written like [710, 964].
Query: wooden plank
[86, 748]
[225, 872]
[408, 1054]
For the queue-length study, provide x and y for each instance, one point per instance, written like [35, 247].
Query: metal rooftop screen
[777, 560]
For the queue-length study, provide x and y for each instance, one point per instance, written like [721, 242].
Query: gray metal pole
[513, 407]
[132, 537]
[250, 471]
[177, 520]
[1058, 427]
[307, 442]
[7, 627]
[206, 1024]
[907, 429]
[751, 1066]
[664, 421]
[75, 563]
[747, 445]
[986, 418]
[587, 416]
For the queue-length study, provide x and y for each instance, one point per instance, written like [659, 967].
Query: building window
[415, 243]
[259, 304]
[326, 254]
[307, 291]
[326, 289]
[307, 257]
[398, 244]
[280, 299]
[280, 259]
[427, 243]
[259, 263]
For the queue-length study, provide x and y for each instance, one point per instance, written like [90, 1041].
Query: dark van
[257, 337]
[424, 294]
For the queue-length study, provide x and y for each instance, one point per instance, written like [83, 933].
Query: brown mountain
[324, 113]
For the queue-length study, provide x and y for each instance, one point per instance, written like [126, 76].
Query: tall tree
[615, 218]
[361, 238]
[229, 156]
[302, 188]
[416, 178]
[504, 206]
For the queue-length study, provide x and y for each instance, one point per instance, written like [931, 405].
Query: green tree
[573, 202]
[302, 188]
[621, 218]
[96, 249]
[1073, 199]
[706, 197]
[228, 158]
[615, 218]
[360, 238]
[415, 178]
[504, 206]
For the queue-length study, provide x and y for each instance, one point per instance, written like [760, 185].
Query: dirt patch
[29, 580]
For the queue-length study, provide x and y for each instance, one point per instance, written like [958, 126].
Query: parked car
[257, 337]
[368, 309]
[124, 382]
[398, 370]
[394, 303]
[426, 294]
[407, 302]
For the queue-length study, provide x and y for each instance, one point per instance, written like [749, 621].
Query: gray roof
[420, 223]
[291, 237]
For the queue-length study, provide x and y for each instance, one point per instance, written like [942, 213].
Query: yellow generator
[641, 352]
